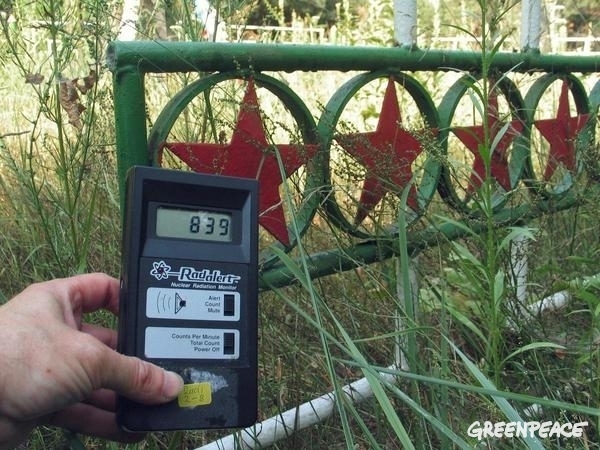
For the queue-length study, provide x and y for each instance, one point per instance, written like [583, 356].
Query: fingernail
[173, 384]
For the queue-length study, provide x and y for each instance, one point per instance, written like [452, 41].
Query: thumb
[139, 380]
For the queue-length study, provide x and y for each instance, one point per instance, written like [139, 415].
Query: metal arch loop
[583, 139]
[329, 121]
[314, 177]
[515, 163]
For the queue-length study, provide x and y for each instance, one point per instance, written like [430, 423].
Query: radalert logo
[162, 271]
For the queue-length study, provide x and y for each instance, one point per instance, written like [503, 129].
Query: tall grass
[59, 216]
[57, 161]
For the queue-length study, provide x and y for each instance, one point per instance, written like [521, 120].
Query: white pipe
[303, 416]
[550, 303]
[129, 20]
[561, 298]
[558, 299]
[531, 24]
[405, 22]
[526, 313]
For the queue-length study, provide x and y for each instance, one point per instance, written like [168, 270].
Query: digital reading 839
[193, 224]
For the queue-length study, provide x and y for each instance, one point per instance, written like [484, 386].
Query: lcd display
[193, 224]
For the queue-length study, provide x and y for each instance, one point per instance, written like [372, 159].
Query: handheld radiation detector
[189, 295]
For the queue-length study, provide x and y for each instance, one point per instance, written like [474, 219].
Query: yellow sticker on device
[196, 394]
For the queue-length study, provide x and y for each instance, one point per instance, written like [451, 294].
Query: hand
[56, 370]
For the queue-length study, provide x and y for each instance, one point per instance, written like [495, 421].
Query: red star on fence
[474, 137]
[561, 132]
[249, 155]
[387, 155]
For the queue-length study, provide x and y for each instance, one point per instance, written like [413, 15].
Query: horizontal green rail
[160, 57]
[334, 261]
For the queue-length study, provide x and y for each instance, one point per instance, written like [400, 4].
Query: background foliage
[59, 216]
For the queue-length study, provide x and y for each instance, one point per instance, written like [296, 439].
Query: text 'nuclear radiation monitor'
[189, 295]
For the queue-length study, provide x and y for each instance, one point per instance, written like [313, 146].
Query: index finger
[87, 292]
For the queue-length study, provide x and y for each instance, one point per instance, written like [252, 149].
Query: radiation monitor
[189, 295]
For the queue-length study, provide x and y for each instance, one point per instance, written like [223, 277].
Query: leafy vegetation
[459, 346]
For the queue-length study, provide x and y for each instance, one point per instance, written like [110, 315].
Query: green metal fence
[411, 147]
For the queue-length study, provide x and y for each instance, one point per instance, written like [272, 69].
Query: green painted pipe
[130, 124]
[340, 260]
[167, 56]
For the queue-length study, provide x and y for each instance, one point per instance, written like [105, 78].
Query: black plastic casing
[191, 306]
